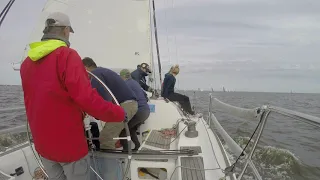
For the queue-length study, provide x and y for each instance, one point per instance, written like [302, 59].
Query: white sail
[115, 33]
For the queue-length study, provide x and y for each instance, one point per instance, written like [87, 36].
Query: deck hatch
[192, 162]
[156, 139]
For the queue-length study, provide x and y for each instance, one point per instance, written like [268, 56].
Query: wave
[273, 163]
[9, 140]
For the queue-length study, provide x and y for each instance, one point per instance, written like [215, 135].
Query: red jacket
[56, 93]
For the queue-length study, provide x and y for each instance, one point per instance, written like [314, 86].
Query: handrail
[235, 148]
[262, 114]
[249, 114]
[126, 127]
[254, 113]
[312, 120]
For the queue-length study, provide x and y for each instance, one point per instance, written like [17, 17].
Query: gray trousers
[78, 170]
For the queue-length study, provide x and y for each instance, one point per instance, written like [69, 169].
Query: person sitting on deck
[165, 77]
[143, 110]
[121, 91]
[140, 76]
[56, 92]
[168, 90]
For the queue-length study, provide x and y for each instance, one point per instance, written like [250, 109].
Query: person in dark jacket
[143, 110]
[165, 77]
[140, 74]
[57, 92]
[168, 90]
[121, 91]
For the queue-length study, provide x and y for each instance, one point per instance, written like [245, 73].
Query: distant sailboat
[224, 90]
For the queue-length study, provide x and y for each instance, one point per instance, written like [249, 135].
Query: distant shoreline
[208, 91]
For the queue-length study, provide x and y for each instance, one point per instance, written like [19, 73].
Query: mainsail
[115, 33]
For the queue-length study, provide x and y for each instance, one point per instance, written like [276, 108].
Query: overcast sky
[244, 45]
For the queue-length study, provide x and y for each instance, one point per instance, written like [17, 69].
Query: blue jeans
[107, 168]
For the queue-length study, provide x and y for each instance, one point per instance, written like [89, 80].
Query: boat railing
[261, 115]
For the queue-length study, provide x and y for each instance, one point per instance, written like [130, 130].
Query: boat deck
[157, 139]
[192, 174]
[166, 152]
[4, 176]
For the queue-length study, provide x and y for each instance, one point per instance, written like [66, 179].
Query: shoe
[136, 148]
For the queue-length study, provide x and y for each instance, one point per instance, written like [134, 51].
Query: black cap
[146, 67]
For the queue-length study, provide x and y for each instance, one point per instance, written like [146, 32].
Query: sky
[242, 45]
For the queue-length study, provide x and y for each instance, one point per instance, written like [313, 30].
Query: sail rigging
[5, 11]
[156, 39]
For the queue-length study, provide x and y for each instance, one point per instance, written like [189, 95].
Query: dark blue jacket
[168, 85]
[140, 77]
[140, 94]
[117, 86]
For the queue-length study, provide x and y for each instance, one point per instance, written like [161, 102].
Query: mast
[5, 11]
[156, 38]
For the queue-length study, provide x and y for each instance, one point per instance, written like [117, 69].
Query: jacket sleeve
[135, 75]
[143, 85]
[101, 90]
[77, 83]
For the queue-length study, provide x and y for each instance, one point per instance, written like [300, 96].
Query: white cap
[60, 19]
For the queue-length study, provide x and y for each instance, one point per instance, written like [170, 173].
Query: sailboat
[120, 34]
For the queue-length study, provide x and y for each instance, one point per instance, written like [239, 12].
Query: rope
[5, 11]
[167, 32]
[243, 151]
[156, 39]
[174, 42]
[5, 8]
[98, 176]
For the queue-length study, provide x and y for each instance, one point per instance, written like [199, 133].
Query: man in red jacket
[56, 93]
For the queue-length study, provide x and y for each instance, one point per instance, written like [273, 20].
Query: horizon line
[209, 91]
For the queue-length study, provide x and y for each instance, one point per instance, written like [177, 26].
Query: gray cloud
[252, 45]
[271, 44]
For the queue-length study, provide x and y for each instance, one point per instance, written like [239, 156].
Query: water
[288, 150]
